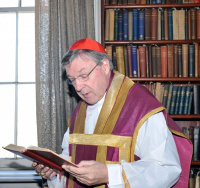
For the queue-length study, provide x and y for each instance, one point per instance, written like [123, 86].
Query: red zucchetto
[87, 44]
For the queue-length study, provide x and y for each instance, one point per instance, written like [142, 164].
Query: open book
[41, 155]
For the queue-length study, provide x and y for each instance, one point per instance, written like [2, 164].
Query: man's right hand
[44, 171]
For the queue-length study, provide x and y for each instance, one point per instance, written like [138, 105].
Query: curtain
[59, 23]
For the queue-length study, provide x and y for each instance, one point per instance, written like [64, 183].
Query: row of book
[177, 99]
[152, 24]
[193, 133]
[172, 60]
[194, 178]
[132, 2]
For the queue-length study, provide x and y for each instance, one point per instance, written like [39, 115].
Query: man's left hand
[89, 172]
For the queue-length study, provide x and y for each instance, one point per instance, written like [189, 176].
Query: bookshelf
[188, 119]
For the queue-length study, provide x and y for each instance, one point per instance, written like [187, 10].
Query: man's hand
[89, 172]
[44, 171]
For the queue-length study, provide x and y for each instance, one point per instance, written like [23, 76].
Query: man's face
[95, 87]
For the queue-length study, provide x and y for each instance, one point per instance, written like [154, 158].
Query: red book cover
[142, 61]
[164, 61]
[40, 155]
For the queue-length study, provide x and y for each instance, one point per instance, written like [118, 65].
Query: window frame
[16, 163]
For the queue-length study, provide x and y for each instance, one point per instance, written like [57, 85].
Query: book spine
[182, 99]
[120, 25]
[111, 25]
[154, 67]
[191, 60]
[186, 25]
[170, 60]
[187, 97]
[150, 61]
[154, 23]
[178, 100]
[175, 22]
[165, 94]
[129, 61]
[135, 24]
[162, 25]
[196, 93]
[125, 24]
[196, 60]
[130, 25]
[190, 103]
[141, 25]
[126, 60]
[134, 61]
[164, 61]
[170, 25]
[158, 61]
[116, 25]
[196, 143]
[193, 23]
[142, 61]
[169, 97]
[166, 23]
[185, 59]
[180, 67]
[198, 25]
[120, 59]
[181, 24]
[176, 61]
[147, 24]
[173, 100]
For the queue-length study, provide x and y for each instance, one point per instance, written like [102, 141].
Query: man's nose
[78, 85]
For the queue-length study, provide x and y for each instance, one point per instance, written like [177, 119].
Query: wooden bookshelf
[173, 80]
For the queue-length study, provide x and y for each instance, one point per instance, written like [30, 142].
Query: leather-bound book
[191, 134]
[169, 98]
[147, 24]
[196, 60]
[135, 24]
[170, 54]
[126, 60]
[111, 24]
[158, 61]
[178, 97]
[191, 60]
[198, 25]
[166, 23]
[162, 25]
[120, 2]
[147, 60]
[153, 59]
[134, 54]
[124, 2]
[106, 2]
[114, 58]
[142, 61]
[141, 24]
[129, 61]
[193, 23]
[150, 60]
[107, 25]
[138, 61]
[130, 25]
[120, 59]
[182, 100]
[125, 24]
[186, 25]
[181, 24]
[185, 59]
[180, 66]
[120, 25]
[131, 2]
[189, 25]
[116, 25]
[196, 144]
[176, 61]
[170, 25]
[154, 24]
[175, 17]
[196, 90]
[173, 100]
[190, 103]
[187, 98]
[185, 131]
[165, 95]
[159, 25]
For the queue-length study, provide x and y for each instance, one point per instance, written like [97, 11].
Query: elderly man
[119, 134]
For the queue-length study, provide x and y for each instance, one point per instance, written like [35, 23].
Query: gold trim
[112, 162]
[138, 127]
[177, 133]
[121, 98]
[109, 102]
[101, 154]
[79, 126]
[100, 140]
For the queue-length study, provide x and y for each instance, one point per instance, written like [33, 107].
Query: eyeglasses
[82, 78]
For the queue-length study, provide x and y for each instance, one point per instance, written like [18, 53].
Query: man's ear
[106, 66]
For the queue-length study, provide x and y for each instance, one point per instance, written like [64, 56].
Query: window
[17, 74]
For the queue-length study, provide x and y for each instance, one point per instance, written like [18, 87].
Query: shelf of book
[169, 79]
[165, 36]
[123, 42]
[153, 6]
